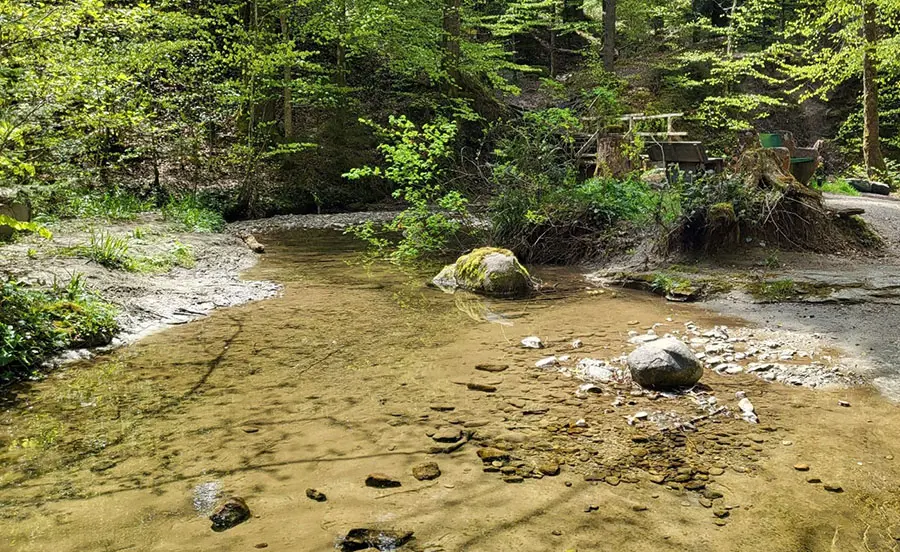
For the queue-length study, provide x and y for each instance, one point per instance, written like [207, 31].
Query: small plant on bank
[775, 291]
[114, 253]
[108, 250]
[839, 186]
[35, 323]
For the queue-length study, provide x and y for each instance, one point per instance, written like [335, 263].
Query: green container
[771, 140]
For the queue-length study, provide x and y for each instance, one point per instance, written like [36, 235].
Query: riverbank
[156, 274]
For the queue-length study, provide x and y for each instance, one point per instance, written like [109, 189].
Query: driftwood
[253, 244]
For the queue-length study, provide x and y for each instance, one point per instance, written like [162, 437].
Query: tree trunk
[288, 101]
[872, 156]
[553, 24]
[341, 50]
[452, 27]
[609, 34]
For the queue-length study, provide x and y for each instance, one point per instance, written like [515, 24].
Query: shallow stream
[353, 368]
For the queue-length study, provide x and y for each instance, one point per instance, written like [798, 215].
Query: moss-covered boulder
[488, 271]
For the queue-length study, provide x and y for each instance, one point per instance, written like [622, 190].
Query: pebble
[261, 545]
[787, 443]
[801, 467]
[844, 404]
[426, 471]
[442, 407]
[577, 344]
[639, 508]
[489, 454]
[313, 494]
[513, 479]
[813, 479]
[591, 508]
[250, 429]
[233, 512]
[533, 342]
[381, 481]
[546, 362]
[833, 488]
[716, 471]
[475, 386]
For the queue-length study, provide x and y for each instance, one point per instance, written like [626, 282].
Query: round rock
[663, 364]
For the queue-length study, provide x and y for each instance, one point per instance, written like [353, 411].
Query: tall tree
[609, 34]
[872, 156]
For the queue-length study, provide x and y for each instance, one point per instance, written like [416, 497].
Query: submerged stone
[233, 512]
[379, 539]
[488, 271]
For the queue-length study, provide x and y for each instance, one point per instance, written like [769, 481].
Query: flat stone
[313, 494]
[494, 368]
[447, 435]
[426, 471]
[532, 342]
[813, 479]
[442, 407]
[801, 467]
[833, 488]
[484, 387]
[490, 454]
[381, 481]
[549, 468]
[373, 539]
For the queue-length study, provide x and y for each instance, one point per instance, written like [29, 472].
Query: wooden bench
[804, 161]
[689, 157]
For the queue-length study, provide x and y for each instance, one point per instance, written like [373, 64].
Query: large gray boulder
[664, 364]
[488, 271]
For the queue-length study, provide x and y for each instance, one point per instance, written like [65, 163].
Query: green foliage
[414, 160]
[837, 186]
[192, 215]
[35, 323]
[20, 226]
[108, 250]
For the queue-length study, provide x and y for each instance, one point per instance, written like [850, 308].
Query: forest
[440, 275]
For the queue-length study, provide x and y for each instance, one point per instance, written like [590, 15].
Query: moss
[775, 290]
[470, 272]
[470, 267]
[722, 213]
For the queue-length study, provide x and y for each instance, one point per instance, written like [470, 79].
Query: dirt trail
[352, 370]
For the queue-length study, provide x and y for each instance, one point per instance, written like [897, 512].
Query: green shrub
[35, 323]
[193, 215]
[414, 159]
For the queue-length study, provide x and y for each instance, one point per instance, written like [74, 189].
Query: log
[253, 244]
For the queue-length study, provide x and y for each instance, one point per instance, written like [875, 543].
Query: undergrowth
[35, 323]
[192, 215]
